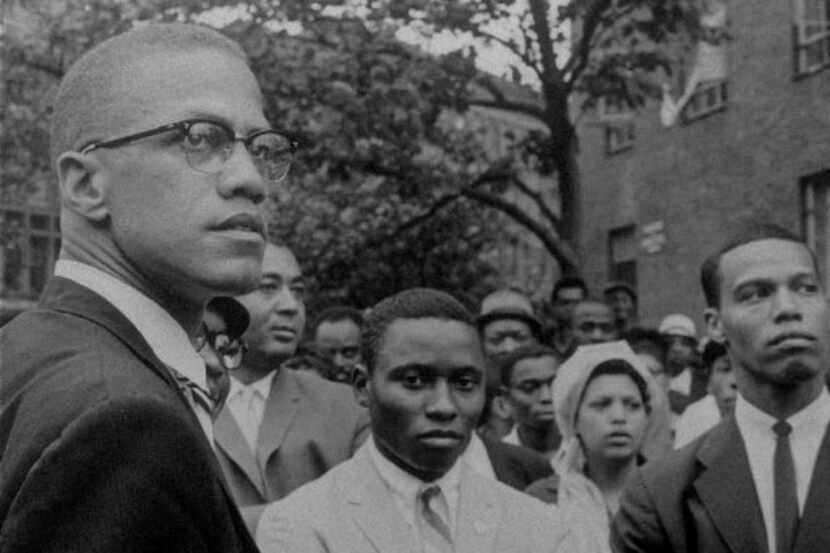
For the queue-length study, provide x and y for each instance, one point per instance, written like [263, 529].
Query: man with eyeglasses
[164, 158]
[281, 428]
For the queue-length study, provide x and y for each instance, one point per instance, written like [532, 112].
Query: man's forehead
[592, 309]
[280, 261]
[761, 258]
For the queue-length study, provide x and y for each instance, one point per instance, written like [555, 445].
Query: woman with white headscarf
[601, 397]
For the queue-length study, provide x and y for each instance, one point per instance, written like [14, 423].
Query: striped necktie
[434, 513]
[195, 394]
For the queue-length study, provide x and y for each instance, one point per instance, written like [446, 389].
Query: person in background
[566, 293]
[592, 323]
[602, 395]
[707, 412]
[506, 322]
[688, 383]
[759, 480]
[527, 377]
[164, 158]
[623, 301]
[221, 345]
[281, 428]
[407, 489]
[336, 334]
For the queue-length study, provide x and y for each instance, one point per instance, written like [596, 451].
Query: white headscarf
[580, 501]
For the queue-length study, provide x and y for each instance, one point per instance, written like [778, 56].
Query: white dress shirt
[476, 457]
[698, 417]
[406, 487]
[246, 403]
[512, 437]
[809, 426]
[682, 383]
[163, 334]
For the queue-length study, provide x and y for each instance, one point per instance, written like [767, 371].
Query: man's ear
[714, 324]
[360, 384]
[502, 408]
[81, 191]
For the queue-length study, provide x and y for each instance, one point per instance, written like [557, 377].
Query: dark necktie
[193, 392]
[786, 500]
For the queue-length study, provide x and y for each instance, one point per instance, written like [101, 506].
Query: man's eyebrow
[273, 276]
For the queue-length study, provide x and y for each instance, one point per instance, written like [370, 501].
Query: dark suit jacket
[100, 451]
[309, 426]
[516, 466]
[702, 498]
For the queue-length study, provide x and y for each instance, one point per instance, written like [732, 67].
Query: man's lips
[243, 221]
[792, 338]
[448, 435]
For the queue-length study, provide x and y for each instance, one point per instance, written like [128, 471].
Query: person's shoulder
[545, 489]
[318, 390]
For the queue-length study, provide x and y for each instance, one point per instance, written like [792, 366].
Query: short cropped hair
[81, 110]
[710, 276]
[336, 314]
[647, 340]
[414, 303]
[568, 282]
[508, 361]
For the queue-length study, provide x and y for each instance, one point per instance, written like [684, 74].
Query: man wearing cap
[623, 301]
[566, 293]
[686, 385]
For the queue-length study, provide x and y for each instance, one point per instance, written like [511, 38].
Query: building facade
[755, 145]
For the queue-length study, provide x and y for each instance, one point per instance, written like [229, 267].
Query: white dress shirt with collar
[696, 419]
[476, 457]
[755, 426]
[163, 334]
[405, 487]
[246, 403]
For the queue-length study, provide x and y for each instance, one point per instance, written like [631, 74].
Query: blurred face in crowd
[593, 323]
[681, 352]
[611, 421]
[774, 318]
[170, 227]
[506, 335]
[564, 302]
[340, 341]
[622, 304]
[723, 386]
[530, 391]
[426, 393]
[277, 310]
[656, 368]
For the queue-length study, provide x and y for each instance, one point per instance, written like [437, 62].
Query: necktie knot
[429, 492]
[782, 428]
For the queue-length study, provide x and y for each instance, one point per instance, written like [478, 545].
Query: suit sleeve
[127, 475]
[637, 528]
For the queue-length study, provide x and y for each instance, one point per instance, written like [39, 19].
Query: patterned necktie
[434, 513]
[195, 394]
[786, 500]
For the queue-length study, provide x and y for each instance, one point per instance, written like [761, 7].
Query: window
[29, 245]
[815, 217]
[811, 35]
[622, 255]
[617, 119]
[709, 97]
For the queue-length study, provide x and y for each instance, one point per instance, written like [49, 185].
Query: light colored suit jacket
[309, 426]
[351, 510]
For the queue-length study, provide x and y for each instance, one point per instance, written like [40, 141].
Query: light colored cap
[678, 324]
[508, 304]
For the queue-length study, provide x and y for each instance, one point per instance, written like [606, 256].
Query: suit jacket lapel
[477, 519]
[229, 438]
[280, 408]
[727, 490]
[814, 528]
[373, 508]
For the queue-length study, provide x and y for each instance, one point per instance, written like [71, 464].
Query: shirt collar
[262, 386]
[163, 334]
[816, 413]
[406, 485]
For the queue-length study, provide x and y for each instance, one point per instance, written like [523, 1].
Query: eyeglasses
[208, 145]
[229, 350]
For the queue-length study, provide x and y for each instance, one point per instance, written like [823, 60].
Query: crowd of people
[168, 393]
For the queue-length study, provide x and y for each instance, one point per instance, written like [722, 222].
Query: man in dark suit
[105, 423]
[281, 428]
[759, 481]
[510, 464]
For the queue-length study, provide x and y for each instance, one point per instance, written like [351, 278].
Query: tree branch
[511, 46]
[582, 52]
[501, 102]
[537, 198]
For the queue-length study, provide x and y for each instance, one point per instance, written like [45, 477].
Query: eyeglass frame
[184, 126]
[207, 336]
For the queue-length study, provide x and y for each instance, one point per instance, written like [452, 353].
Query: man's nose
[546, 392]
[441, 404]
[241, 176]
[785, 305]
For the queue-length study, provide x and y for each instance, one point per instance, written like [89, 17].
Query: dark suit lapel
[230, 440]
[727, 491]
[814, 528]
[282, 404]
[500, 465]
[373, 508]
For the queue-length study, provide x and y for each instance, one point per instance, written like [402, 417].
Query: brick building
[658, 199]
